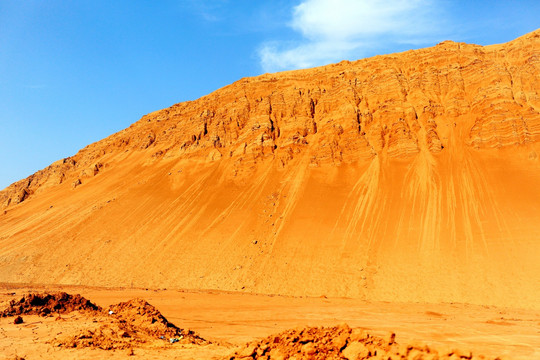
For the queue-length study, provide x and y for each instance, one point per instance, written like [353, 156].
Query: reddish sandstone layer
[411, 176]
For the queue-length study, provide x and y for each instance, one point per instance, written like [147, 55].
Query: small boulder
[247, 352]
[76, 183]
[309, 349]
[356, 350]
[390, 338]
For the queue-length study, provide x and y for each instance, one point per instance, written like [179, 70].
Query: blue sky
[73, 72]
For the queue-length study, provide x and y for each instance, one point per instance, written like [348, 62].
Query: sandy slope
[407, 177]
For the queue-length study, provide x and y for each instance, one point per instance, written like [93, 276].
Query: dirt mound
[145, 317]
[339, 342]
[130, 324]
[45, 303]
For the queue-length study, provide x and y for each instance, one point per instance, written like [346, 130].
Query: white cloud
[332, 30]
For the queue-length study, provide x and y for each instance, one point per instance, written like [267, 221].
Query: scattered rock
[105, 337]
[339, 342]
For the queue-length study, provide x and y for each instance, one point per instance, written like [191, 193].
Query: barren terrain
[395, 182]
[230, 320]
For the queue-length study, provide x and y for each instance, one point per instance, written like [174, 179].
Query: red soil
[340, 342]
[45, 304]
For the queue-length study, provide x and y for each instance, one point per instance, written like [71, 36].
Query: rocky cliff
[411, 176]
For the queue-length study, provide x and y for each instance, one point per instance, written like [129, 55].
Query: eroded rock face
[394, 106]
[409, 177]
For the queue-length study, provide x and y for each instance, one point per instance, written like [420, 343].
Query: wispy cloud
[209, 10]
[331, 30]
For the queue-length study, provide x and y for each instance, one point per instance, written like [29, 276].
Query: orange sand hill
[406, 177]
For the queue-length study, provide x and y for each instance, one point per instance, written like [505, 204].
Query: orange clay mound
[140, 315]
[340, 342]
[126, 325]
[404, 177]
[45, 304]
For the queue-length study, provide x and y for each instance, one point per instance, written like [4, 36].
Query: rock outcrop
[409, 176]
[392, 105]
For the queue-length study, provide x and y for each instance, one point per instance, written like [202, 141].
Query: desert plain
[394, 194]
[229, 320]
